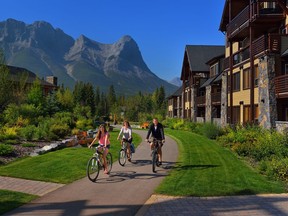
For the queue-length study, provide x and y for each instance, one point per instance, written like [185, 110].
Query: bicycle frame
[95, 164]
[155, 153]
[123, 153]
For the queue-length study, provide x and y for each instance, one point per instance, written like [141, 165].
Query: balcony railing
[238, 21]
[271, 43]
[216, 97]
[253, 12]
[281, 86]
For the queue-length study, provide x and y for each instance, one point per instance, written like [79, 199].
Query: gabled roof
[212, 80]
[17, 73]
[177, 93]
[199, 55]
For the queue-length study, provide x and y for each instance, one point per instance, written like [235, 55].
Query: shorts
[102, 146]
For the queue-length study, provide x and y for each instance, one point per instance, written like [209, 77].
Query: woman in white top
[127, 137]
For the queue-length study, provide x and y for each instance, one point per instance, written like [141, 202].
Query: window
[256, 75]
[246, 114]
[236, 81]
[246, 79]
[236, 115]
[256, 113]
[214, 70]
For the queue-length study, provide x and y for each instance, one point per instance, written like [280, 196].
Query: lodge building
[248, 82]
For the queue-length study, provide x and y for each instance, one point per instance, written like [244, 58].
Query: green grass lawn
[203, 169]
[10, 200]
[207, 169]
[62, 166]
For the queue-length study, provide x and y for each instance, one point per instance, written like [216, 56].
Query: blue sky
[161, 28]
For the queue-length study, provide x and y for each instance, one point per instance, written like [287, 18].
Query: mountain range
[46, 51]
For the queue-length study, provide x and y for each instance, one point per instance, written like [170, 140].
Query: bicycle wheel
[109, 162]
[93, 168]
[154, 160]
[122, 157]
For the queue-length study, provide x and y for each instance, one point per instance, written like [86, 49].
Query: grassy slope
[62, 166]
[206, 169]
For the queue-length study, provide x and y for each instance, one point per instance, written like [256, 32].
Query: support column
[193, 105]
[208, 105]
[224, 100]
[267, 97]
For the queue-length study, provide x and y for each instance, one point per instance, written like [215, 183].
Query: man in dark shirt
[157, 131]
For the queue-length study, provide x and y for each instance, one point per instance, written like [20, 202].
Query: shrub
[84, 124]
[28, 132]
[211, 131]
[277, 169]
[25, 111]
[64, 118]
[270, 144]
[8, 133]
[11, 142]
[60, 130]
[28, 145]
[6, 149]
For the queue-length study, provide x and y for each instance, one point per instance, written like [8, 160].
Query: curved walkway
[128, 191]
[123, 192]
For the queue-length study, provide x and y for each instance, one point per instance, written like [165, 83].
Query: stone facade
[282, 127]
[193, 105]
[267, 98]
[224, 100]
[208, 108]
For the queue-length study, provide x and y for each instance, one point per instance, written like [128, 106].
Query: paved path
[123, 192]
[131, 187]
[252, 205]
[28, 186]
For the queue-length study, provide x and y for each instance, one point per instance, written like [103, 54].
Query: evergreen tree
[35, 95]
[111, 96]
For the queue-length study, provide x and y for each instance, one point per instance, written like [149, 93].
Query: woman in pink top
[104, 143]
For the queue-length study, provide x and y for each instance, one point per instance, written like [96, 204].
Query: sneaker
[129, 159]
[106, 172]
[160, 163]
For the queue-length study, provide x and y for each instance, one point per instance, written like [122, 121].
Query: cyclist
[126, 130]
[104, 144]
[157, 131]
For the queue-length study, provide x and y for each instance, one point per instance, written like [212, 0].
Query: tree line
[84, 100]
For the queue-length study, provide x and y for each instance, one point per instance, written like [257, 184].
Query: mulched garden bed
[21, 151]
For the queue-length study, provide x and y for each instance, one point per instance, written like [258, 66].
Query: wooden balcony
[216, 98]
[270, 43]
[265, 14]
[265, 44]
[281, 86]
[238, 22]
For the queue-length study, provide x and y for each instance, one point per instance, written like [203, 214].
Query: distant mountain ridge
[176, 81]
[48, 51]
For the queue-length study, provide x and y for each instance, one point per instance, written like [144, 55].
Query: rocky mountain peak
[45, 50]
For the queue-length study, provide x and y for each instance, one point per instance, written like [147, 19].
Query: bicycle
[123, 153]
[95, 164]
[155, 158]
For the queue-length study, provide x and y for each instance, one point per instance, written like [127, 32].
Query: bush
[8, 133]
[270, 144]
[14, 113]
[211, 131]
[28, 132]
[6, 149]
[60, 130]
[276, 168]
